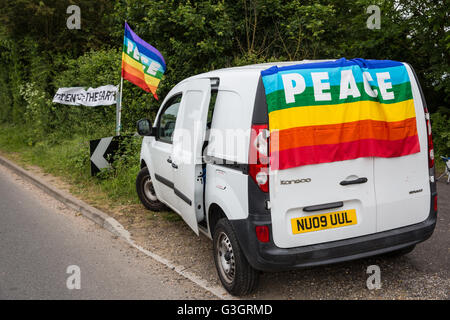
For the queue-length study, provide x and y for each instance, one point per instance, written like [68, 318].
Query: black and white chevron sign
[102, 152]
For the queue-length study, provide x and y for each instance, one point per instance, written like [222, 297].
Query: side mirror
[144, 128]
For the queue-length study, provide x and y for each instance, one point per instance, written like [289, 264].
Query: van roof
[252, 68]
[263, 66]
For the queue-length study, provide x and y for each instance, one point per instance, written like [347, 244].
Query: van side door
[188, 141]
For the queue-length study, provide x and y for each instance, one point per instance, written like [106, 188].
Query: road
[40, 239]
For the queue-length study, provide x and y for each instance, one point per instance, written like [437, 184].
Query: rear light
[430, 140]
[258, 158]
[262, 233]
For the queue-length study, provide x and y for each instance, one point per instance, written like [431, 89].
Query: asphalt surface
[40, 239]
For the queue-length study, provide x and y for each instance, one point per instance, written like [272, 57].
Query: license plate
[324, 221]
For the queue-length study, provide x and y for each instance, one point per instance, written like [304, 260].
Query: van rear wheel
[146, 192]
[235, 273]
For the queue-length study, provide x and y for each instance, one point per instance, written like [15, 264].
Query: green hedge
[440, 123]
[38, 54]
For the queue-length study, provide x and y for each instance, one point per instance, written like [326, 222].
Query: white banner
[101, 96]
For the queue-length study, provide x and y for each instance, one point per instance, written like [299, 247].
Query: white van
[195, 160]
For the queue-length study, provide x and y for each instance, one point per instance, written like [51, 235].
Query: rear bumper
[268, 257]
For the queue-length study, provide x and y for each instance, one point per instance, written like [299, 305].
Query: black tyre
[146, 192]
[401, 252]
[235, 273]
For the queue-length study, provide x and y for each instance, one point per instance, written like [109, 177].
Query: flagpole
[119, 101]
[119, 109]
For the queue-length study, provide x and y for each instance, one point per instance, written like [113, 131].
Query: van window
[168, 118]
[212, 103]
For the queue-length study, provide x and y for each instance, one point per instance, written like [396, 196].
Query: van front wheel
[146, 192]
[235, 273]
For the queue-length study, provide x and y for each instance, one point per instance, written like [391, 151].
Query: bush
[93, 69]
[59, 134]
[441, 132]
[119, 180]
[37, 115]
[51, 122]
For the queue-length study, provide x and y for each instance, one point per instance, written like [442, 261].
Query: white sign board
[101, 96]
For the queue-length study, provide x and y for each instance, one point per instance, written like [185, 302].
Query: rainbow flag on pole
[142, 64]
[339, 110]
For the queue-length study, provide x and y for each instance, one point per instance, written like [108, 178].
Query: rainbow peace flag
[142, 64]
[339, 110]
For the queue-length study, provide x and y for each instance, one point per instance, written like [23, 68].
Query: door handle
[169, 160]
[356, 181]
[174, 166]
[324, 206]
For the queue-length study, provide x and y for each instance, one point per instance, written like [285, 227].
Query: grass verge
[69, 159]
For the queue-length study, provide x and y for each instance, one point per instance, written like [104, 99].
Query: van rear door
[188, 139]
[402, 184]
[341, 191]
[382, 193]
